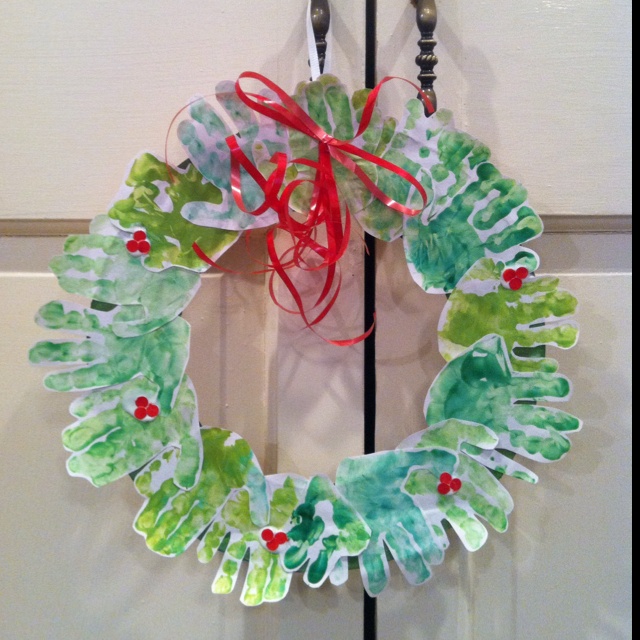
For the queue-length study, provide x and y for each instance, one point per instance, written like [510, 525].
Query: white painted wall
[85, 85]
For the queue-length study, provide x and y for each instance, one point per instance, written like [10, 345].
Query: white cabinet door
[563, 567]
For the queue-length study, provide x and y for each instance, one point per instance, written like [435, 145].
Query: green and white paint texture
[127, 353]
[540, 313]
[475, 211]
[109, 441]
[155, 198]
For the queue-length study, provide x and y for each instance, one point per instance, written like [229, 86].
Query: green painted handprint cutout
[326, 529]
[121, 428]
[475, 212]
[152, 199]
[398, 148]
[374, 485]
[481, 386]
[480, 494]
[203, 138]
[99, 267]
[235, 532]
[104, 359]
[328, 104]
[538, 313]
[173, 518]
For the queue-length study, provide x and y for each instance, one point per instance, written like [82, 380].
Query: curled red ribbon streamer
[324, 210]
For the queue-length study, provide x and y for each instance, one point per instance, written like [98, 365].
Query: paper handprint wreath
[304, 165]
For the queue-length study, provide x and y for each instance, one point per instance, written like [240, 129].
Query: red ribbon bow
[324, 209]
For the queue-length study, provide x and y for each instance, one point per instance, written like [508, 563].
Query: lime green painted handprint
[104, 359]
[327, 103]
[113, 438]
[152, 199]
[461, 436]
[481, 386]
[539, 313]
[100, 268]
[374, 485]
[173, 518]
[326, 529]
[234, 530]
[480, 493]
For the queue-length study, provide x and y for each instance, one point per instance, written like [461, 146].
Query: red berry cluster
[145, 409]
[448, 484]
[514, 277]
[274, 540]
[139, 244]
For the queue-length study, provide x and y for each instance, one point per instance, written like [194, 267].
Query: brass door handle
[426, 19]
[320, 18]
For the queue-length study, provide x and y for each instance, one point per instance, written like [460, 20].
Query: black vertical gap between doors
[369, 630]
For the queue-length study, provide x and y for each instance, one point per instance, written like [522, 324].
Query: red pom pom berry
[153, 410]
[448, 483]
[139, 243]
[515, 284]
[274, 540]
[281, 537]
[514, 277]
[145, 409]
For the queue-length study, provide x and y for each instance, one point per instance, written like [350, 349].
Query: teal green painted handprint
[118, 431]
[103, 359]
[326, 529]
[173, 518]
[474, 212]
[480, 494]
[481, 386]
[152, 199]
[99, 267]
[538, 313]
[204, 139]
[234, 530]
[374, 485]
